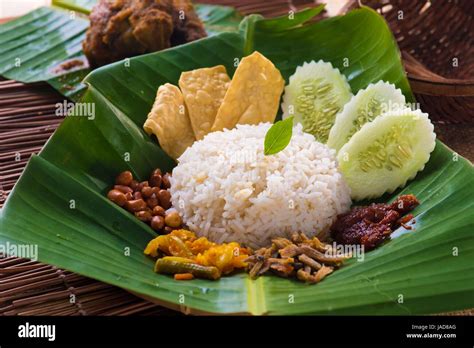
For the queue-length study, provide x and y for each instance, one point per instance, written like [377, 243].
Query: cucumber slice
[364, 107]
[315, 94]
[387, 152]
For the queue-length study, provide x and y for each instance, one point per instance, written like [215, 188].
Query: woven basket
[437, 43]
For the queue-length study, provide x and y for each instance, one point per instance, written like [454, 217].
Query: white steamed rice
[226, 189]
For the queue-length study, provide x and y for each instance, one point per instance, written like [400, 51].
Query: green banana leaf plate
[34, 47]
[59, 202]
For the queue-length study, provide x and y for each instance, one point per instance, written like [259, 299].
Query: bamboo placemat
[27, 120]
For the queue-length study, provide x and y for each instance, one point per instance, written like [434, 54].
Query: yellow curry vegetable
[183, 252]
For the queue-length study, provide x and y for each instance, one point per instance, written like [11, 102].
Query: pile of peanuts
[147, 200]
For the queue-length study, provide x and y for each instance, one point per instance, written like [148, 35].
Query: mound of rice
[226, 189]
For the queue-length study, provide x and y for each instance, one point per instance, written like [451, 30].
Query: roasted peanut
[165, 181]
[147, 200]
[143, 215]
[134, 185]
[155, 180]
[117, 197]
[147, 191]
[124, 178]
[152, 202]
[142, 185]
[164, 197]
[158, 211]
[172, 219]
[157, 171]
[157, 222]
[123, 189]
[135, 205]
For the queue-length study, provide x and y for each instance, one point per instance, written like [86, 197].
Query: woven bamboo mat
[27, 120]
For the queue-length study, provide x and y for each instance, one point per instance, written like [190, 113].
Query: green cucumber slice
[315, 94]
[387, 152]
[364, 107]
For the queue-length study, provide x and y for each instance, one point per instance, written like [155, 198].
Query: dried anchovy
[309, 260]
[264, 268]
[298, 238]
[307, 250]
[306, 276]
[281, 242]
[255, 269]
[282, 269]
[323, 272]
[290, 251]
[261, 256]
[318, 245]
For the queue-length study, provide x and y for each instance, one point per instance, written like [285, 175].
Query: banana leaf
[82, 6]
[59, 202]
[33, 47]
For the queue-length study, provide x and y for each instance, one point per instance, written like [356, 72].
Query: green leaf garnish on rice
[278, 136]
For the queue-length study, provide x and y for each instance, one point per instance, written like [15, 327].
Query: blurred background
[15, 8]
